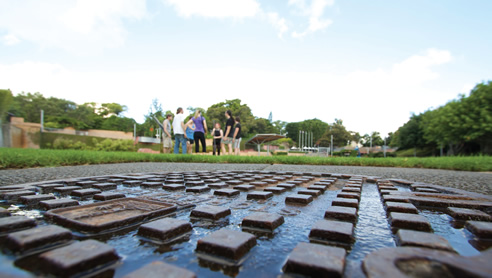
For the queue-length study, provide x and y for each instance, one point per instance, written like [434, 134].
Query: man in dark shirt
[229, 132]
[237, 136]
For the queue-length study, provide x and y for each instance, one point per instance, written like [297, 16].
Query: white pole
[302, 140]
[312, 139]
[42, 120]
[331, 145]
[370, 146]
[384, 147]
[309, 139]
[299, 141]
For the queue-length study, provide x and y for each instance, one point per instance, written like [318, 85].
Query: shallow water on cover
[372, 232]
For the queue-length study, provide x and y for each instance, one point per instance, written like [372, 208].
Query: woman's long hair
[197, 113]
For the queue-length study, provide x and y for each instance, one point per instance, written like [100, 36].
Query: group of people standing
[193, 132]
[230, 137]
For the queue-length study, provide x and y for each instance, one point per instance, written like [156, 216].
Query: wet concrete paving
[245, 224]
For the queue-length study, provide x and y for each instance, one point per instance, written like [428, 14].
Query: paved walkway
[478, 182]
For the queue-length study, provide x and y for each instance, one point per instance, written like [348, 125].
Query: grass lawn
[11, 158]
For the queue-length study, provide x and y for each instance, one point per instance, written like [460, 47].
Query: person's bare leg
[230, 149]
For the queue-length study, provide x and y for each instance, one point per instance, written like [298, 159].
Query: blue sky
[369, 63]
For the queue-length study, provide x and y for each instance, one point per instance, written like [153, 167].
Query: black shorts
[191, 141]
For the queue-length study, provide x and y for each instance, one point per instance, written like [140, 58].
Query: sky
[369, 63]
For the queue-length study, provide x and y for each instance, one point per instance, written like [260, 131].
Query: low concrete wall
[19, 134]
[113, 134]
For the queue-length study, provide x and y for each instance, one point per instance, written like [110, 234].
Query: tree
[411, 134]
[356, 137]
[261, 126]
[341, 137]
[6, 100]
[394, 142]
[149, 126]
[216, 113]
[112, 109]
[29, 106]
[86, 117]
[324, 142]
[287, 143]
[193, 110]
[374, 139]
[389, 138]
[477, 117]
[292, 130]
[118, 123]
[60, 113]
[464, 123]
[279, 127]
[316, 126]
[462, 126]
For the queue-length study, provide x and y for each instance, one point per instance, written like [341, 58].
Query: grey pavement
[479, 182]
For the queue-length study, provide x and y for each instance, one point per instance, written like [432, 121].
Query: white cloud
[418, 67]
[10, 39]
[73, 25]
[230, 9]
[277, 22]
[236, 9]
[376, 100]
[314, 12]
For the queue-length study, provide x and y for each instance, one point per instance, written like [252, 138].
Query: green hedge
[78, 142]
[25, 158]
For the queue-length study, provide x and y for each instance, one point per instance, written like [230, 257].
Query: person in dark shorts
[236, 141]
[200, 131]
[217, 134]
[190, 131]
[227, 139]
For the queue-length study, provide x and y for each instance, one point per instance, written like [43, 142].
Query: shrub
[343, 153]
[62, 144]
[109, 145]
[381, 154]
[414, 152]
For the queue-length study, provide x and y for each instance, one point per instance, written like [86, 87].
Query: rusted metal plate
[112, 214]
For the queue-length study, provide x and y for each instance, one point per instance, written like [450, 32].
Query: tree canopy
[216, 113]
[61, 113]
[6, 99]
[462, 126]
[341, 137]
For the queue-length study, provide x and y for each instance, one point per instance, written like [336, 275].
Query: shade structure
[264, 138]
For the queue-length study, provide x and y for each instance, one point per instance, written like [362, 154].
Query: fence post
[42, 120]
[384, 147]
[331, 145]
